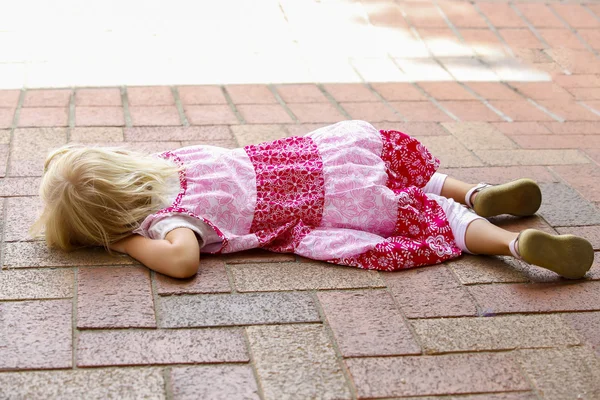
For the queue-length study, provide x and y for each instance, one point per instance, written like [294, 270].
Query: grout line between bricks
[168, 388]
[593, 110]
[505, 117]
[125, 101]
[530, 26]
[182, 118]
[282, 103]
[574, 31]
[333, 101]
[230, 279]
[252, 363]
[494, 30]
[71, 113]
[589, 10]
[234, 109]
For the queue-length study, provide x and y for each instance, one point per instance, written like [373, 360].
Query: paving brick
[9, 98]
[594, 154]
[520, 38]
[154, 115]
[201, 95]
[188, 133]
[446, 91]
[301, 94]
[264, 114]
[43, 116]
[564, 207]
[309, 369]
[391, 18]
[578, 177]
[114, 297]
[557, 142]
[479, 269]
[30, 148]
[521, 128]
[98, 97]
[320, 112]
[214, 382]
[421, 70]
[443, 42]
[235, 309]
[576, 61]
[429, 292]
[561, 38]
[483, 42]
[571, 372]
[468, 69]
[20, 216]
[211, 278]
[591, 233]
[498, 333]
[479, 135]
[487, 396]
[309, 276]
[96, 134]
[541, 90]
[19, 186]
[586, 326]
[462, 14]
[210, 115]
[163, 346]
[150, 96]
[569, 110]
[372, 326]
[35, 335]
[257, 256]
[577, 81]
[493, 91]
[47, 98]
[36, 284]
[250, 94]
[302, 129]
[531, 157]
[586, 93]
[348, 92]
[6, 117]
[496, 175]
[450, 151]
[539, 15]
[521, 110]
[146, 147]
[420, 111]
[372, 112]
[99, 116]
[576, 15]
[501, 15]
[4, 150]
[395, 91]
[423, 15]
[429, 375]
[573, 128]
[125, 383]
[252, 134]
[537, 297]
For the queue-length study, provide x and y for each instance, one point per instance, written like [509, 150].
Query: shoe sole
[521, 198]
[567, 255]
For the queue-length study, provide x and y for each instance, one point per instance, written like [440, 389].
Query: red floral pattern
[289, 191]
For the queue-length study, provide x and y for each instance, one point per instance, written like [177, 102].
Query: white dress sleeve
[206, 235]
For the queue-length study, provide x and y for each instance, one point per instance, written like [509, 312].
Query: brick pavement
[496, 90]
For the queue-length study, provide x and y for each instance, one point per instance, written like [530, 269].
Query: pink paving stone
[493, 91]
[150, 96]
[36, 334]
[594, 154]
[579, 178]
[210, 115]
[322, 112]
[578, 81]
[423, 14]
[188, 133]
[301, 94]
[9, 98]
[462, 15]
[471, 111]
[570, 110]
[257, 256]
[347, 92]
[541, 90]
[28, 186]
[372, 112]
[43, 116]
[201, 95]
[586, 93]
[98, 97]
[6, 117]
[521, 128]
[576, 61]
[373, 326]
[250, 94]
[398, 92]
[586, 325]
[446, 91]
[302, 129]
[573, 128]
[501, 15]
[520, 38]
[429, 292]
[264, 114]
[561, 38]
[391, 18]
[4, 150]
[415, 128]
[211, 278]
[538, 297]
[114, 297]
[163, 346]
[431, 375]
[99, 116]
[591, 36]
[576, 15]
[96, 134]
[483, 42]
[420, 111]
[443, 42]
[47, 98]
[557, 141]
[591, 233]
[521, 110]
[540, 15]
[214, 382]
[154, 115]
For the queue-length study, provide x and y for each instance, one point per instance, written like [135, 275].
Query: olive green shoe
[568, 255]
[521, 198]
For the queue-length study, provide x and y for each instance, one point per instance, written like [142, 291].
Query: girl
[346, 194]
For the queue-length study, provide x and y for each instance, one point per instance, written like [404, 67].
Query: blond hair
[95, 196]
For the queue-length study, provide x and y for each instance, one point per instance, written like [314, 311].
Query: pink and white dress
[346, 193]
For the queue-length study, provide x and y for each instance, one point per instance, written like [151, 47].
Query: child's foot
[522, 197]
[567, 255]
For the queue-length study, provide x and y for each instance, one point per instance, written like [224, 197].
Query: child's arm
[178, 255]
